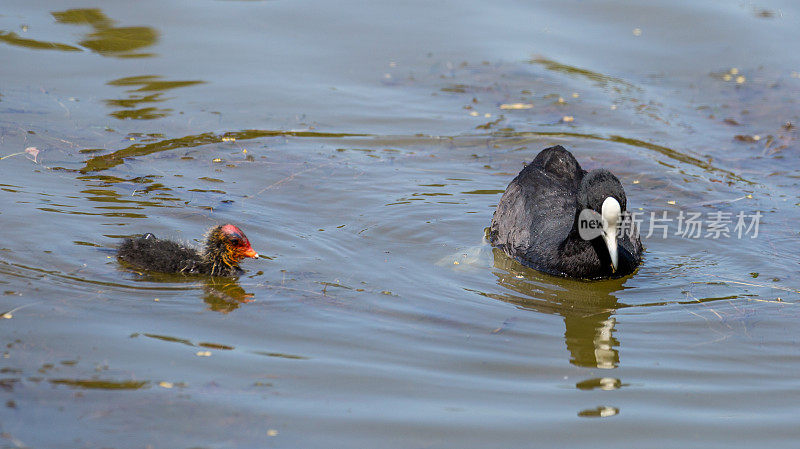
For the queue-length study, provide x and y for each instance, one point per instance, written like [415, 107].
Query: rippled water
[363, 148]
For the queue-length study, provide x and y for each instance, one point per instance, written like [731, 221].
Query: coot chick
[537, 220]
[225, 247]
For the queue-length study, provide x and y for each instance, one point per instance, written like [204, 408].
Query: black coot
[537, 220]
[225, 247]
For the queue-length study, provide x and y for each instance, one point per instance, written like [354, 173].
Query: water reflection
[221, 294]
[587, 308]
[97, 384]
[506, 138]
[12, 38]
[600, 383]
[110, 160]
[600, 78]
[143, 90]
[601, 411]
[225, 294]
[107, 39]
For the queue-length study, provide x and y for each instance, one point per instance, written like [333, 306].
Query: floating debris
[731, 121]
[203, 353]
[516, 106]
[33, 151]
[567, 119]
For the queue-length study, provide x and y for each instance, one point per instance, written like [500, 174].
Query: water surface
[363, 149]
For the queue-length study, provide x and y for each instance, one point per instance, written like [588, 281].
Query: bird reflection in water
[225, 294]
[221, 294]
[586, 306]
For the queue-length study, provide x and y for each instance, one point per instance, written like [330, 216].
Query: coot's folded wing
[534, 216]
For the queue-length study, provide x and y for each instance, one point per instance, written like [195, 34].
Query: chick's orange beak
[250, 252]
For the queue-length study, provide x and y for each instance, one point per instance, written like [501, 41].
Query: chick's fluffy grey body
[167, 256]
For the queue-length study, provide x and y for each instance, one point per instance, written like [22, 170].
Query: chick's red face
[239, 245]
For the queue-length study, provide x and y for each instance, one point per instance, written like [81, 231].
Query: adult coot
[539, 220]
[225, 247]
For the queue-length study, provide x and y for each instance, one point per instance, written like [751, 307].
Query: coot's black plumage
[225, 247]
[536, 221]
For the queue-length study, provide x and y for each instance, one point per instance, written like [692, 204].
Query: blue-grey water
[363, 147]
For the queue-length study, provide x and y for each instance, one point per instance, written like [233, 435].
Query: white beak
[610, 212]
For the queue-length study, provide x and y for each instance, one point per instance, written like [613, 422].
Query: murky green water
[362, 148]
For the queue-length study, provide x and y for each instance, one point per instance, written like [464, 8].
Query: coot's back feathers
[560, 164]
[536, 219]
